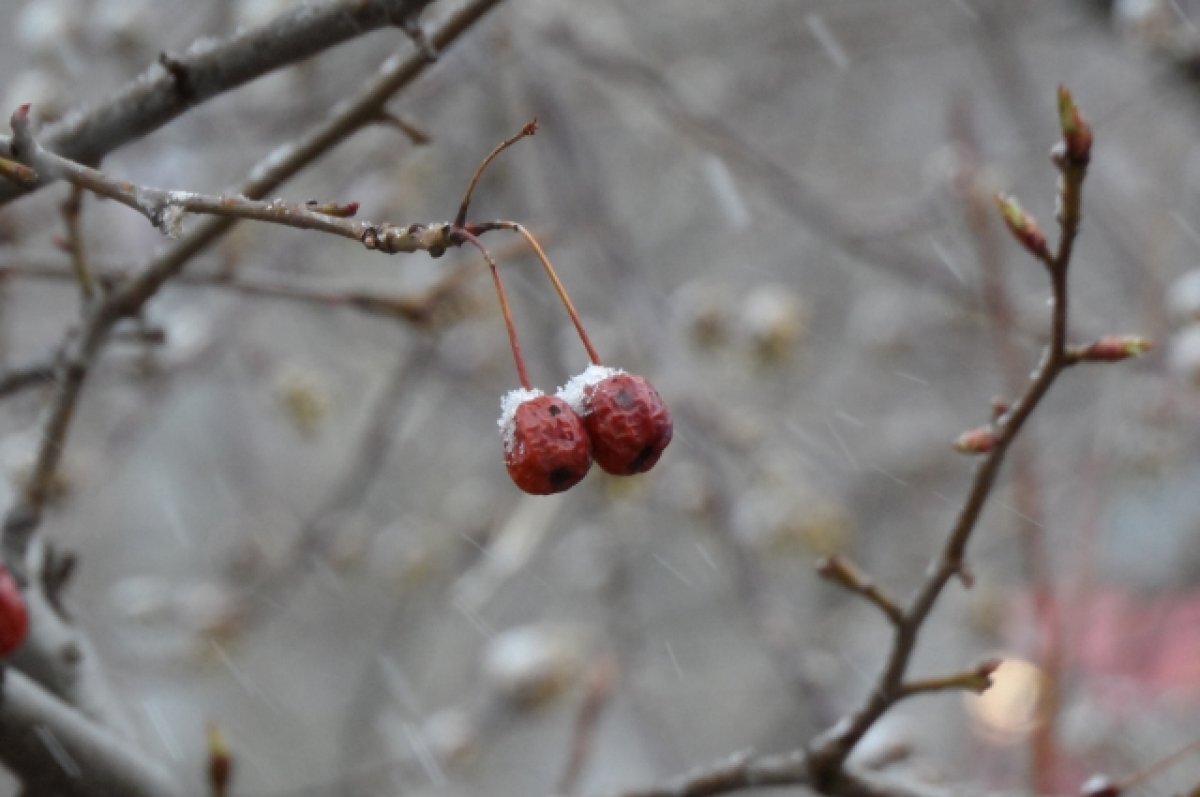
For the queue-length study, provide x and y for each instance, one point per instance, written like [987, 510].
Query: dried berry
[14, 617]
[546, 447]
[627, 420]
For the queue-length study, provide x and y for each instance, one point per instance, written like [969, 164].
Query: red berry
[627, 420]
[14, 617]
[546, 446]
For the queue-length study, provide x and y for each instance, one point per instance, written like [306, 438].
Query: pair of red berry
[603, 414]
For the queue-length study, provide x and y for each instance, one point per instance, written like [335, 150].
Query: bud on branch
[979, 440]
[220, 762]
[1076, 132]
[1023, 226]
[1110, 349]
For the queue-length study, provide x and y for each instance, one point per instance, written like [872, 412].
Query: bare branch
[71, 209]
[739, 771]
[977, 680]
[600, 686]
[56, 750]
[15, 380]
[165, 208]
[180, 82]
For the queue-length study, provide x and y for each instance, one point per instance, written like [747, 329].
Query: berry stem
[558, 286]
[522, 374]
[528, 130]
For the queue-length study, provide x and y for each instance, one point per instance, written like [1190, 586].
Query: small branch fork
[822, 765]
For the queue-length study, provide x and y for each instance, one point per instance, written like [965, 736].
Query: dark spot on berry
[625, 399]
[554, 409]
[636, 465]
[561, 478]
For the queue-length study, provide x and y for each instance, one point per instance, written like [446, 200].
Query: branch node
[179, 75]
[416, 33]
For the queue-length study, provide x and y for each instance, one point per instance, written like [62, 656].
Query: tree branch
[180, 82]
[830, 750]
[56, 750]
[17, 379]
[739, 771]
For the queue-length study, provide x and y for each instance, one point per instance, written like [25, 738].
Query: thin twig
[528, 130]
[165, 208]
[600, 685]
[977, 680]
[1162, 764]
[15, 380]
[739, 771]
[849, 576]
[71, 209]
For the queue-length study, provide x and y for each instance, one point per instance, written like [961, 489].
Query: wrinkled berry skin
[629, 424]
[549, 451]
[14, 618]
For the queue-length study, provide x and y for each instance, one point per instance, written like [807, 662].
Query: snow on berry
[14, 617]
[575, 391]
[508, 411]
[626, 418]
[546, 446]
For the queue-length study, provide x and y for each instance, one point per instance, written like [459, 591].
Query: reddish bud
[626, 418]
[1076, 132]
[14, 617]
[220, 762]
[1111, 349]
[546, 447]
[979, 440]
[1023, 226]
